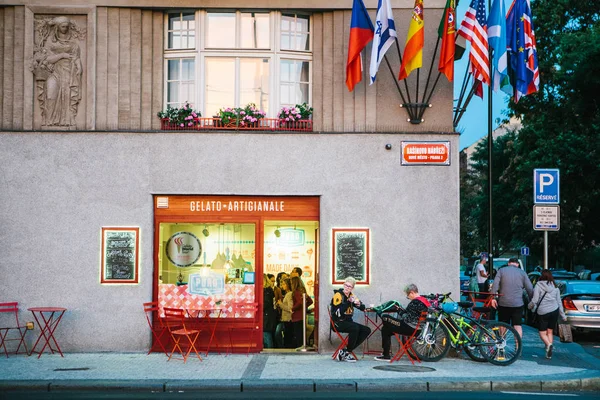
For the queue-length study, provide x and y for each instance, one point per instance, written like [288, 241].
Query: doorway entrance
[212, 253]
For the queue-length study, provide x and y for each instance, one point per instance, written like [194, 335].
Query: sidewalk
[570, 368]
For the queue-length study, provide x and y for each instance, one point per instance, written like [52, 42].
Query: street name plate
[546, 218]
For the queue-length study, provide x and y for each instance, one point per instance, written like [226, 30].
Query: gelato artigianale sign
[183, 249]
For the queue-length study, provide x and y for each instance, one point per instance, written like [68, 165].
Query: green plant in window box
[291, 117]
[180, 117]
[245, 117]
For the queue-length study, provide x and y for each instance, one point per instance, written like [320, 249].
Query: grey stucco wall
[58, 189]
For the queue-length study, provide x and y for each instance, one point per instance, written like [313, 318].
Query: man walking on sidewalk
[509, 283]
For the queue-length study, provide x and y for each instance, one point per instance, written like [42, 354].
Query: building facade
[82, 154]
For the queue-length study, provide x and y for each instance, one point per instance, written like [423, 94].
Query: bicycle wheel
[473, 351]
[433, 343]
[503, 345]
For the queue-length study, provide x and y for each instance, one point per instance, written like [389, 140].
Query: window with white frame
[226, 59]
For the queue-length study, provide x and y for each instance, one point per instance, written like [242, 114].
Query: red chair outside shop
[18, 330]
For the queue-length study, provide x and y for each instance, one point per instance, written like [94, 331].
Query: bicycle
[492, 341]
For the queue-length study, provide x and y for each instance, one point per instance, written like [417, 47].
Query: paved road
[504, 395]
[589, 341]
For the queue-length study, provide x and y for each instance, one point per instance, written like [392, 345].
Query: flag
[447, 32]
[385, 34]
[361, 33]
[522, 52]
[413, 52]
[474, 29]
[497, 38]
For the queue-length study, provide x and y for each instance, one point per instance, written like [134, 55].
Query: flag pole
[405, 84]
[397, 84]
[490, 148]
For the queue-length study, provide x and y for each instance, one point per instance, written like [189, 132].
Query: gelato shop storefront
[213, 253]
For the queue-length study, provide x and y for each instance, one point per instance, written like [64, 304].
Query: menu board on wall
[351, 255]
[120, 248]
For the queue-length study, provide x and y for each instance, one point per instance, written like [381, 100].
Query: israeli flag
[384, 36]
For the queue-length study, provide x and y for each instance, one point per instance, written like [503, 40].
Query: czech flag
[361, 33]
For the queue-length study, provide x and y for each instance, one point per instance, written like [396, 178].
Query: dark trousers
[390, 326]
[357, 333]
[298, 328]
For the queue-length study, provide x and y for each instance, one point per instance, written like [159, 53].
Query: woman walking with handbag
[546, 306]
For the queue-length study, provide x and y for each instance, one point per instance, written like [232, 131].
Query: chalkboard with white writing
[119, 254]
[351, 255]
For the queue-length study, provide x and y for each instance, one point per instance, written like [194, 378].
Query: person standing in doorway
[298, 292]
[509, 283]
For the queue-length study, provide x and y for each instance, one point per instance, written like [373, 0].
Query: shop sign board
[120, 255]
[351, 255]
[183, 249]
[546, 188]
[546, 218]
[207, 284]
[425, 153]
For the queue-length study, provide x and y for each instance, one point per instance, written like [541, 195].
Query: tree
[561, 127]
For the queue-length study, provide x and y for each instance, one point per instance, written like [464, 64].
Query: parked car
[464, 282]
[498, 263]
[560, 274]
[581, 301]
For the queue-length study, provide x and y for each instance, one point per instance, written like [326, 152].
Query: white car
[581, 301]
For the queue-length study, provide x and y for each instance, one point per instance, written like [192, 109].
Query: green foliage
[299, 112]
[241, 116]
[182, 116]
[561, 128]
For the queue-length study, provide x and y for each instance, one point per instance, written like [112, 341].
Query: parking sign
[546, 188]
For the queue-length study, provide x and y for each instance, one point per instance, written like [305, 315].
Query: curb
[322, 386]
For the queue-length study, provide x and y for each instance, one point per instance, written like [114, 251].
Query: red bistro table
[376, 326]
[206, 314]
[47, 319]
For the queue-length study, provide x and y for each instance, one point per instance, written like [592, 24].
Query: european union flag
[522, 53]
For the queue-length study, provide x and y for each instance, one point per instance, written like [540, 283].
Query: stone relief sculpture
[57, 68]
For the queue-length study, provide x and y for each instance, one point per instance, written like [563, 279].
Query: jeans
[268, 340]
[279, 335]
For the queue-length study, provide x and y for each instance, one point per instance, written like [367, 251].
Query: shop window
[240, 57]
[203, 265]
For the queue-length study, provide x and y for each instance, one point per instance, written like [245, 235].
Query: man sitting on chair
[406, 324]
[342, 309]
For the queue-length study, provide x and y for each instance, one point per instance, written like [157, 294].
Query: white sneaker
[340, 355]
[383, 358]
[549, 352]
[349, 357]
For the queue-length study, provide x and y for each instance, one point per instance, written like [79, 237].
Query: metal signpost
[546, 192]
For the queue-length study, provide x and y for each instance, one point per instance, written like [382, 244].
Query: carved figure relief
[58, 70]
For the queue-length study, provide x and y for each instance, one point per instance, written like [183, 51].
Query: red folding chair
[159, 329]
[12, 307]
[343, 339]
[405, 343]
[243, 309]
[175, 322]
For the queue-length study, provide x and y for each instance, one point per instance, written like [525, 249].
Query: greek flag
[384, 36]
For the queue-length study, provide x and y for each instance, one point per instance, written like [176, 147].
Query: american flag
[474, 29]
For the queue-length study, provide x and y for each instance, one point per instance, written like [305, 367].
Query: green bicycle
[492, 341]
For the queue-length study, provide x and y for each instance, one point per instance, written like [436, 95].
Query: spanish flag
[447, 32]
[413, 52]
[361, 33]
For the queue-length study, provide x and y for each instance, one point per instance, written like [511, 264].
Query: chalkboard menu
[120, 255]
[351, 255]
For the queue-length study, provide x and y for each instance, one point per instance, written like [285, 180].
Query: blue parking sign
[546, 189]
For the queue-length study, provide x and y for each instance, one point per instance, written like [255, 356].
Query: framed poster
[120, 255]
[350, 255]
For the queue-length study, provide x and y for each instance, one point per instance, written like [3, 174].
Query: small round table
[47, 319]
